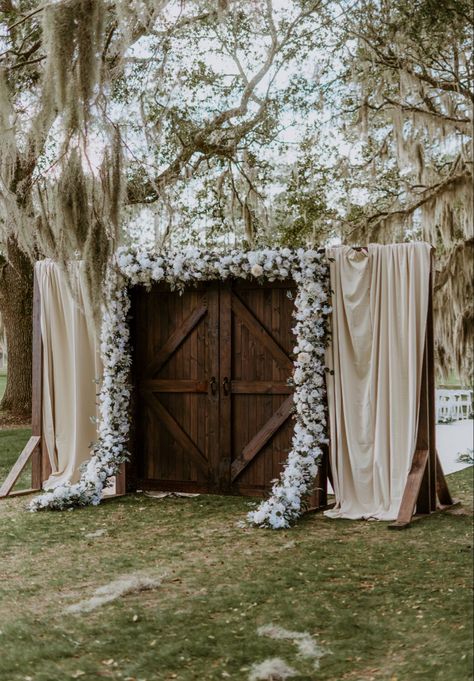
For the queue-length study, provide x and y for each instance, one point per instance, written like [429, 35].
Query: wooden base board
[397, 525]
[28, 451]
[317, 509]
[21, 493]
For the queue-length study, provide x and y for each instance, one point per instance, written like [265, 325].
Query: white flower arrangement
[179, 269]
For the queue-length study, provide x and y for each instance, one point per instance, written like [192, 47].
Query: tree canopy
[244, 123]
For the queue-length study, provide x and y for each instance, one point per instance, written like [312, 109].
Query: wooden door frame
[225, 376]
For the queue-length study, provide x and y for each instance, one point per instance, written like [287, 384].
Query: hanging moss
[113, 185]
[72, 35]
[97, 251]
[454, 308]
[8, 150]
[73, 205]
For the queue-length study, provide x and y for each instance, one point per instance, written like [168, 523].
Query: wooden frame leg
[318, 501]
[29, 450]
[426, 482]
[444, 495]
[33, 448]
[412, 490]
[121, 481]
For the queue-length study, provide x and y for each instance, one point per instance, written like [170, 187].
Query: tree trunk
[16, 307]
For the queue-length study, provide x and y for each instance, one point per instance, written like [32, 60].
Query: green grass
[384, 605]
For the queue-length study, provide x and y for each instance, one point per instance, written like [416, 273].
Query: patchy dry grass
[378, 605]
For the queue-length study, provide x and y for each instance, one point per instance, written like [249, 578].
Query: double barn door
[211, 368]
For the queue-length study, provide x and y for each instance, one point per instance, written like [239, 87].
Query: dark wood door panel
[231, 435]
[262, 433]
[271, 309]
[261, 357]
[175, 357]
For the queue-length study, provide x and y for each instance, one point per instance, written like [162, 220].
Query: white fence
[453, 405]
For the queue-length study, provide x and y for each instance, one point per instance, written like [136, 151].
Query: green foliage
[243, 124]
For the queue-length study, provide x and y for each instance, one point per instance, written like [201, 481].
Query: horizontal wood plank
[23, 492]
[262, 437]
[19, 465]
[261, 388]
[164, 485]
[172, 385]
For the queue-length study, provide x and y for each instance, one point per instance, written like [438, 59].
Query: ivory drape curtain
[71, 367]
[380, 305]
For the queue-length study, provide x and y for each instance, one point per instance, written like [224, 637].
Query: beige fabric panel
[71, 367]
[380, 305]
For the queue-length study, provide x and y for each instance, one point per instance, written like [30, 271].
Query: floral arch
[131, 267]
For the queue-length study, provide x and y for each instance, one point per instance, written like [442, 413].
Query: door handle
[225, 385]
[213, 385]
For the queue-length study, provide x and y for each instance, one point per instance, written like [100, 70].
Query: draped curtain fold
[71, 368]
[380, 305]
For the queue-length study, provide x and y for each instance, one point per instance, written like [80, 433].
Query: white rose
[257, 270]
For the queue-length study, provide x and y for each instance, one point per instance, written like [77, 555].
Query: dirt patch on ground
[9, 421]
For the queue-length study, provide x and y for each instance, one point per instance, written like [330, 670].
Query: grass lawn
[384, 606]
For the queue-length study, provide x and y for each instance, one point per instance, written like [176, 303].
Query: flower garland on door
[180, 269]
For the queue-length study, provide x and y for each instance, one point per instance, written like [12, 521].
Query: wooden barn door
[176, 367]
[255, 345]
[213, 403]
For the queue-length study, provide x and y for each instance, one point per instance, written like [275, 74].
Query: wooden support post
[322, 478]
[37, 389]
[30, 448]
[444, 495]
[433, 459]
[426, 480]
[318, 500]
[423, 501]
[412, 490]
[33, 448]
[120, 481]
